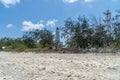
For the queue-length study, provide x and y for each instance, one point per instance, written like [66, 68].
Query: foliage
[78, 33]
[116, 25]
[12, 44]
[29, 42]
[99, 36]
[43, 37]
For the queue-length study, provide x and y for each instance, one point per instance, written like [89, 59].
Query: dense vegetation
[82, 33]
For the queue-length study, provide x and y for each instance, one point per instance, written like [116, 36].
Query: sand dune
[32, 66]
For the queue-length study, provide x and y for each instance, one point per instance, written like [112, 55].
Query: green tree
[46, 38]
[108, 27]
[78, 33]
[28, 41]
[100, 36]
[43, 37]
[116, 25]
[10, 44]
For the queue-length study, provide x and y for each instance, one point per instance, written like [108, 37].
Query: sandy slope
[29, 66]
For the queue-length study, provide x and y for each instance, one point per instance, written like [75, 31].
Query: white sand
[31, 66]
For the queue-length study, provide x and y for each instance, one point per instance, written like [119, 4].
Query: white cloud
[9, 25]
[51, 22]
[88, 1]
[28, 26]
[70, 1]
[73, 1]
[9, 3]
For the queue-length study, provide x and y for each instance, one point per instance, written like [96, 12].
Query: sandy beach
[44, 66]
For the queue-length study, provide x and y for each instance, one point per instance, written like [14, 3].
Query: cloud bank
[70, 1]
[88, 1]
[9, 3]
[73, 1]
[29, 26]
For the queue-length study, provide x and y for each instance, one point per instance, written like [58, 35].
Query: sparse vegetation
[79, 34]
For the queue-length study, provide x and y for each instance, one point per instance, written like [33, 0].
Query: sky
[19, 16]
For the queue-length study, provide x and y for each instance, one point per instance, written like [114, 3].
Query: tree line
[82, 33]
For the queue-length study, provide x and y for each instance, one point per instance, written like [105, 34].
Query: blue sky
[18, 16]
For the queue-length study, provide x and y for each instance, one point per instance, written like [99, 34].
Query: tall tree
[77, 32]
[116, 25]
[108, 27]
[99, 36]
[43, 37]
